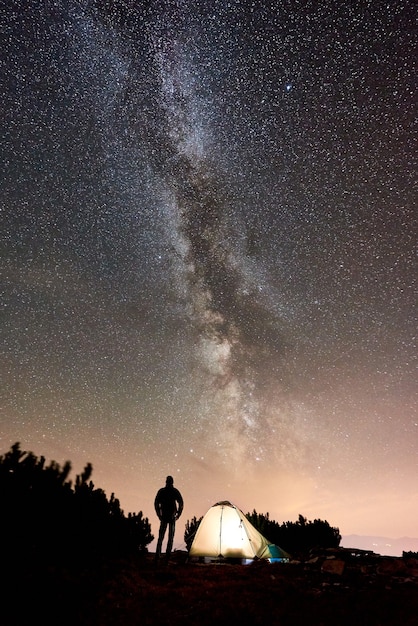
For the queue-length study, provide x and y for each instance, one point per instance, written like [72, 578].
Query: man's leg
[171, 529]
[163, 528]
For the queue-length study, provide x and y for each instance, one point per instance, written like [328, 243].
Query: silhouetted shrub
[191, 529]
[297, 537]
[45, 516]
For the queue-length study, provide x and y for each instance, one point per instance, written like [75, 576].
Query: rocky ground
[337, 587]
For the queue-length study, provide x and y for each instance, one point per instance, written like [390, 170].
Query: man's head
[169, 481]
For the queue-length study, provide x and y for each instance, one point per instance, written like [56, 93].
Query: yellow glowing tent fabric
[225, 532]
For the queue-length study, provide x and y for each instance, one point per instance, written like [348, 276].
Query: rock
[333, 566]
[413, 572]
[392, 567]
[314, 560]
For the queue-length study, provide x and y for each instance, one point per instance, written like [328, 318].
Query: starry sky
[209, 252]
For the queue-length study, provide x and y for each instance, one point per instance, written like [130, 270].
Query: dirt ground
[141, 592]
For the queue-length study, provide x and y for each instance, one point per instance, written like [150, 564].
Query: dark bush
[191, 529]
[46, 517]
[298, 537]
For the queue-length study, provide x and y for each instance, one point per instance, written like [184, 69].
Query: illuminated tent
[225, 533]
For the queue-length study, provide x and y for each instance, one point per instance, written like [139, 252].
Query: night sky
[209, 252]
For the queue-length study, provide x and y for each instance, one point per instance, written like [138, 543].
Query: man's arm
[157, 505]
[180, 504]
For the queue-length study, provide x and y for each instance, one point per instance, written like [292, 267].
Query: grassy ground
[139, 592]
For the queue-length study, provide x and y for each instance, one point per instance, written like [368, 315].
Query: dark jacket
[168, 503]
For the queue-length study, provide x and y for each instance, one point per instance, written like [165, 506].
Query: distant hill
[385, 546]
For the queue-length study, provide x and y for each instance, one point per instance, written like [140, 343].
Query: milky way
[209, 251]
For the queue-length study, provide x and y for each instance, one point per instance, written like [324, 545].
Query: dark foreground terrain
[338, 588]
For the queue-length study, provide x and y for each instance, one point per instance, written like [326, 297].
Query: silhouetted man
[168, 506]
